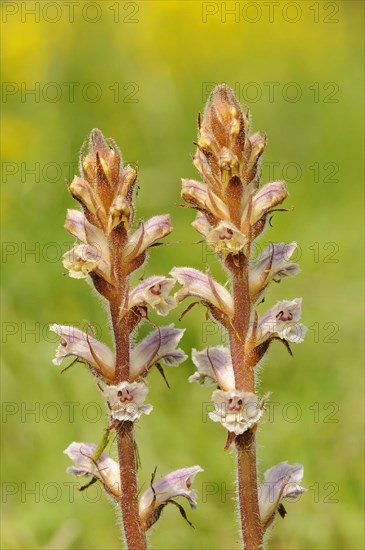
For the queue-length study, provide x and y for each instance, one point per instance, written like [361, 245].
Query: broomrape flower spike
[232, 212]
[109, 249]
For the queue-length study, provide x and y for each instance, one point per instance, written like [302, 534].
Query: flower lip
[282, 321]
[236, 410]
[126, 401]
[226, 239]
[154, 292]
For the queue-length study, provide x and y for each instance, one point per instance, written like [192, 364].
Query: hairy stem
[133, 531]
[245, 380]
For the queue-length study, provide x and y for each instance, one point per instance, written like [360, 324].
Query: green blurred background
[140, 72]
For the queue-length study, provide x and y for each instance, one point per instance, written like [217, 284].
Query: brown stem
[133, 530]
[252, 532]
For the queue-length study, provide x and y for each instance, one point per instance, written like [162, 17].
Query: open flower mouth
[235, 405]
[156, 290]
[226, 235]
[124, 396]
[282, 316]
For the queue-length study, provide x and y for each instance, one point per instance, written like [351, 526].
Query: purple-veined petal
[159, 345]
[201, 285]
[268, 197]
[281, 481]
[86, 348]
[175, 484]
[201, 224]
[77, 224]
[147, 233]
[214, 366]
[104, 468]
[273, 262]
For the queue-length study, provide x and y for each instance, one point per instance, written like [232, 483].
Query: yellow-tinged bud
[229, 165]
[119, 213]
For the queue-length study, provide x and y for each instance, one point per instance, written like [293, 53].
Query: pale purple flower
[202, 286]
[81, 260]
[267, 198]
[214, 366]
[236, 410]
[104, 468]
[257, 142]
[273, 263]
[159, 345]
[282, 321]
[126, 401]
[281, 481]
[226, 239]
[146, 235]
[86, 348]
[154, 292]
[175, 484]
[92, 254]
[201, 224]
[77, 224]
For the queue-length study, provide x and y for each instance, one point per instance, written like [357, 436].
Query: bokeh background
[140, 71]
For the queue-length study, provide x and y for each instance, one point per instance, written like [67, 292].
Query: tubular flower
[126, 401]
[159, 345]
[104, 468]
[86, 348]
[272, 264]
[77, 224]
[175, 484]
[154, 292]
[214, 366]
[202, 286]
[146, 235]
[281, 481]
[266, 199]
[282, 321]
[201, 224]
[236, 410]
[204, 199]
[225, 239]
[82, 259]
